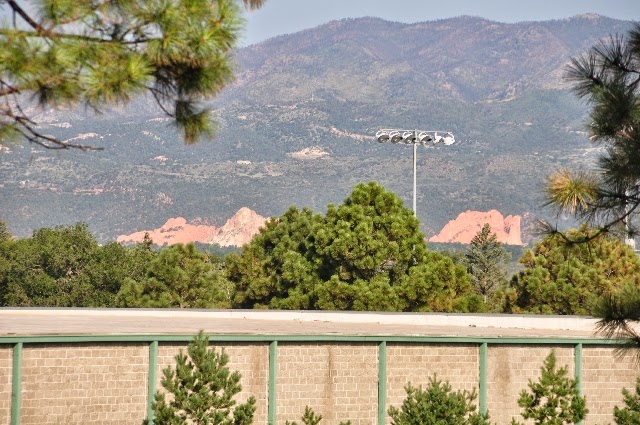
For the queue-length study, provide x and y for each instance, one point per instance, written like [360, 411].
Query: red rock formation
[469, 223]
[237, 231]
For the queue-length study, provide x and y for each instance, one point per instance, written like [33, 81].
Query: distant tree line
[364, 254]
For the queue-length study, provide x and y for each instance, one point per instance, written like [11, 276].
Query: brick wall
[339, 381]
[88, 383]
[509, 369]
[6, 356]
[251, 360]
[84, 384]
[603, 376]
[417, 363]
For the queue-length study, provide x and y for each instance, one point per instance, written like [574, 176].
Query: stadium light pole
[415, 138]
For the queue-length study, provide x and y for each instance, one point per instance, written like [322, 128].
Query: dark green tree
[5, 234]
[273, 270]
[554, 399]
[630, 413]
[437, 404]
[486, 262]
[180, 277]
[65, 267]
[309, 417]
[365, 254]
[561, 278]
[62, 53]
[202, 389]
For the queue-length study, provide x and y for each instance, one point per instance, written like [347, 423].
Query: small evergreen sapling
[630, 414]
[202, 390]
[436, 405]
[310, 418]
[554, 399]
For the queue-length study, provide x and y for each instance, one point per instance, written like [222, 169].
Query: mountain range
[297, 128]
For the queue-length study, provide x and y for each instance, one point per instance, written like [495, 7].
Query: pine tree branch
[81, 37]
[25, 127]
[36, 26]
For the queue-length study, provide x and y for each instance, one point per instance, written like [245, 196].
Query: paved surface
[30, 322]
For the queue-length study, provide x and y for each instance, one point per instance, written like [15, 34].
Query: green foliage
[65, 267]
[630, 413]
[5, 234]
[437, 404]
[365, 254]
[273, 270]
[486, 261]
[72, 53]
[554, 399]
[202, 390]
[561, 278]
[180, 276]
[310, 418]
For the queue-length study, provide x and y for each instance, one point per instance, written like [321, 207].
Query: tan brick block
[57, 388]
[339, 381]
[604, 374]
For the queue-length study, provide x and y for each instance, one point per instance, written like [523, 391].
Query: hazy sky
[287, 16]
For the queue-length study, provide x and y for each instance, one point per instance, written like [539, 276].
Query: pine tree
[561, 278]
[554, 399]
[5, 234]
[486, 259]
[63, 53]
[437, 404]
[630, 413]
[202, 390]
[310, 418]
[365, 254]
[179, 277]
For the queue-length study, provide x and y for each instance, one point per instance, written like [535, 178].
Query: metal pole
[151, 384]
[16, 384]
[415, 150]
[483, 378]
[577, 358]
[273, 370]
[382, 381]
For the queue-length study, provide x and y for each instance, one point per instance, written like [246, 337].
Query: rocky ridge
[237, 231]
[240, 229]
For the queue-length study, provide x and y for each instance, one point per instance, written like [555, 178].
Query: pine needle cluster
[63, 53]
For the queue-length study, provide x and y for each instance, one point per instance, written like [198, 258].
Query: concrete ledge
[52, 321]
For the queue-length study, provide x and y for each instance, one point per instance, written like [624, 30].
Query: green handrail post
[273, 370]
[577, 358]
[382, 381]
[153, 366]
[16, 383]
[483, 378]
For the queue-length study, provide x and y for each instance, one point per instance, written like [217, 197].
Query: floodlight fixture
[382, 136]
[408, 137]
[424, 138]
[415, 138]
[448, 139]
[395, 136]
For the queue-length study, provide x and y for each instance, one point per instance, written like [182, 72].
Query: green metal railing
[483, 344]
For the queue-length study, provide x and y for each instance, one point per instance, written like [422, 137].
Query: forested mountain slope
[497, 86]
